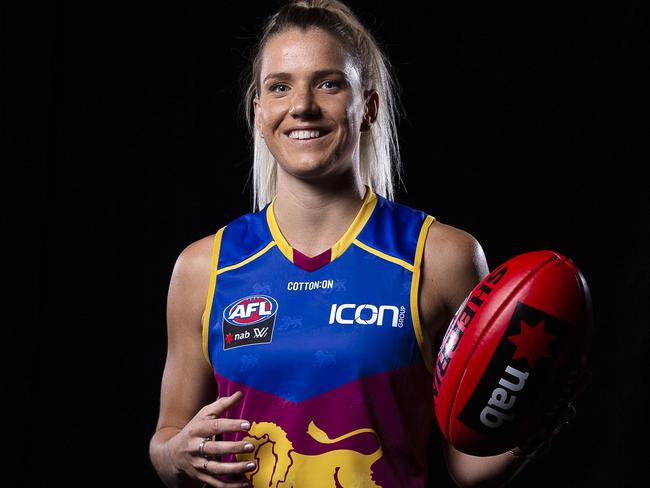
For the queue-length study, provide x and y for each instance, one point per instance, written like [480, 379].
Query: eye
[334, 84]
[279, 88]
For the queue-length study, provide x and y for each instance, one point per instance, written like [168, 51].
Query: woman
[324, 306]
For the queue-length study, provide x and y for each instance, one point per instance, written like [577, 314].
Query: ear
[256, 109]
[371, 109]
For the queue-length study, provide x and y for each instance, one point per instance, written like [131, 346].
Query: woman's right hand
[195, 452]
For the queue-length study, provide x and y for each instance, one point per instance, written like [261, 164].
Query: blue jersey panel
[321, 338]
[243, 237]
[393, 229]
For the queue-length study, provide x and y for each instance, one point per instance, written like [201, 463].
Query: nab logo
[522, 363]
[249, 321]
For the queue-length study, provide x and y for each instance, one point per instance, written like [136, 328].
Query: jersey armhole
[415, 290]
[210, 298]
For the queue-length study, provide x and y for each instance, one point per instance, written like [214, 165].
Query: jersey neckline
[340, 246]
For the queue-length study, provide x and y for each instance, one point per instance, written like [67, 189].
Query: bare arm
[188, 410]
[453, 265]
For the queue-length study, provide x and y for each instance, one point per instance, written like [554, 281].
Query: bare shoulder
[190, 281]
[452, 252]
[196, 258]
[453, 263]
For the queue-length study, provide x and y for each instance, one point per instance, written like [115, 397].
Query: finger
[216, 468]
[221, 405]
[211, 427]
[222, 448]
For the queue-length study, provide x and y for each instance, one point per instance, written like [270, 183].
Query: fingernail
[250, 466]
[248, 447]
[245, 426]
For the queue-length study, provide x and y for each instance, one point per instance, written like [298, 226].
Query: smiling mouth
[306, 135]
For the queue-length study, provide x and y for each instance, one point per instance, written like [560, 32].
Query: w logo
[261, 332]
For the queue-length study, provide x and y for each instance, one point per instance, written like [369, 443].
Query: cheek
[265, 117]
[268, 115]
[353, 115]
[351, 119]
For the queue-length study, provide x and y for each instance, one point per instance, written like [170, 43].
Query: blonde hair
[379, 148]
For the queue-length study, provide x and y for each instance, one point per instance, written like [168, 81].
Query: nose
[303, 103]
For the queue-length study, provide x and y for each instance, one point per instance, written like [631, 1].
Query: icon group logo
[248, 321]
[367, 314]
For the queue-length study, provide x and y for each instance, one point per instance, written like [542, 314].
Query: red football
[510, 352]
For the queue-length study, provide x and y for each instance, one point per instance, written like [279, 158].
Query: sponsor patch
[522, 362]
[367, 314]
[249, 321]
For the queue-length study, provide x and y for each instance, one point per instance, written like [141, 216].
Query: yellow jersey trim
[383, 255]
[213, 283]
[339, 247]
[247, 260]
[279, 239]
[368, 205]
[415, 289]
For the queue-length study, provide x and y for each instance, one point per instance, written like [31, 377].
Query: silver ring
[205, 464]
[201, 453]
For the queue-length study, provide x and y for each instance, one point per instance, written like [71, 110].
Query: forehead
[301, 52]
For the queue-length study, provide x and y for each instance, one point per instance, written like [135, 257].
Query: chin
[307, 166]
[308, 169]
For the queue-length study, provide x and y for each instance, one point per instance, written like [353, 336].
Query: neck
[313, 216]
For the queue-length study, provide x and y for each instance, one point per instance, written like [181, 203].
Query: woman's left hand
[555, 420]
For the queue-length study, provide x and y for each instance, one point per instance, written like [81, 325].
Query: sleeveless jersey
[328, 354]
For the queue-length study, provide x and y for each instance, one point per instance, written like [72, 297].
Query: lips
[306, 133]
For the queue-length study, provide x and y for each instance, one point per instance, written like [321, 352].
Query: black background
[523, 125]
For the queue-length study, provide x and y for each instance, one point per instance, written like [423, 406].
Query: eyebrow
[317, 74]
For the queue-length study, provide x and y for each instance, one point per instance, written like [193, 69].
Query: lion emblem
[279, 465]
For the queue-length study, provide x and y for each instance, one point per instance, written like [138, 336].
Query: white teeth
[304, 134]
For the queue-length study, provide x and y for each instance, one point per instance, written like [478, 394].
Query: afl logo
[249, 321]
[251, 310]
